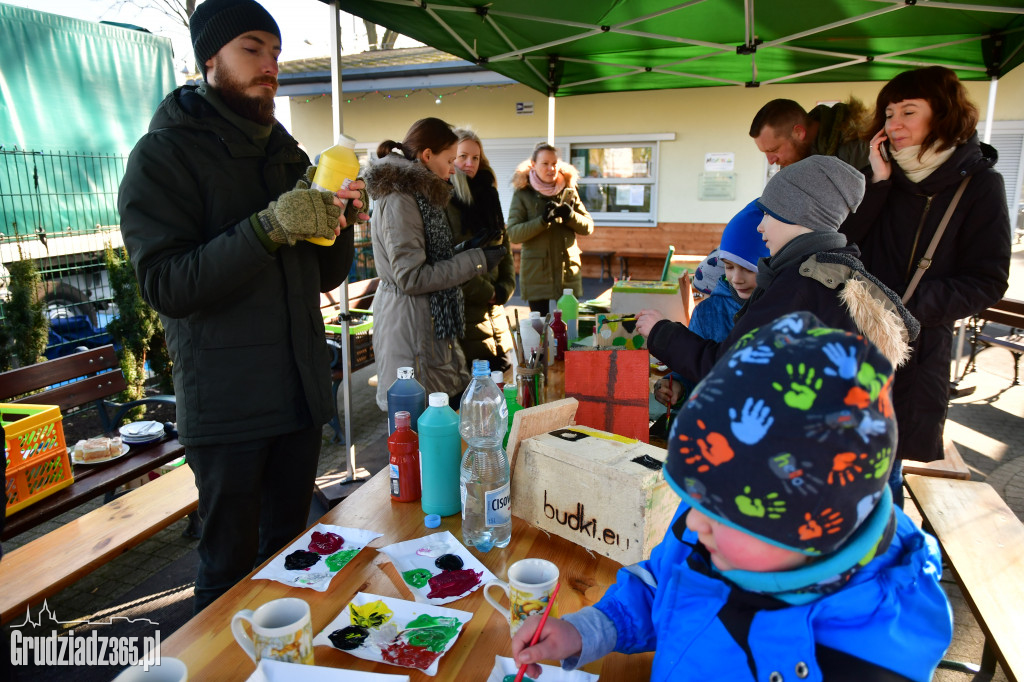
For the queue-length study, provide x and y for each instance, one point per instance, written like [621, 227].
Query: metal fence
[60, 210]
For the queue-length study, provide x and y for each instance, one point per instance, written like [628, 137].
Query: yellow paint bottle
[338, 166]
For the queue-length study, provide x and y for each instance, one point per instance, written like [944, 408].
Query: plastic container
[404, 451]
[559, 337]
[570, 308]
[498, 378]
[531, 337]
[440, 458]
[484, 480]
[513, 406]
[338, 166]
[406, 394]
[38, 463]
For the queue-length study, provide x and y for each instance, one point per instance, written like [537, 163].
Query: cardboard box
[632, 296]
[601, 491]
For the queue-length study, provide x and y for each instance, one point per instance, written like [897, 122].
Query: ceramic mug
[529, 587]
[168, 670]
[281, 630]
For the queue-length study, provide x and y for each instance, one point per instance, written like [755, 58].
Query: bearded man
[215, 210]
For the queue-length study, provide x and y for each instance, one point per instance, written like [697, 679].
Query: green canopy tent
[575, 47]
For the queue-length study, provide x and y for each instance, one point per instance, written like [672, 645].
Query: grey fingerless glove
[493, 255]
[298, 214]
[352, 213]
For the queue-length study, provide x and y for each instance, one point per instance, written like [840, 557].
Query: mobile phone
[883, 150]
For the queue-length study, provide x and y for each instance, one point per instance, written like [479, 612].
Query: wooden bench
[952, 465]
[1007, 312]
[983, 542]
[91, 378]
[48, 564]
[605, 258]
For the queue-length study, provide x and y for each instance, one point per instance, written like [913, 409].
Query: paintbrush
[536, 634]
[668, 410]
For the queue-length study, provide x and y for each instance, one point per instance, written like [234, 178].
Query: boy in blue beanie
[738, 253]
[786, 558]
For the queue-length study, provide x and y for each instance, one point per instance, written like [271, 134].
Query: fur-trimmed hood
[876, 310]
[521, 178]
[396, 174]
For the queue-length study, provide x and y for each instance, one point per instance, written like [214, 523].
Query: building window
[617, 181]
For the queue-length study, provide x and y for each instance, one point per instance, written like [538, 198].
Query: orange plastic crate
[37, 456]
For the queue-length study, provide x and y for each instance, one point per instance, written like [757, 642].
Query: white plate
[144, 430]
[141, 441]
[76, 460]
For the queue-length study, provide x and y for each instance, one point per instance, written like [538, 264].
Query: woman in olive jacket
[926, 125]
[545, 217]
[475, 216]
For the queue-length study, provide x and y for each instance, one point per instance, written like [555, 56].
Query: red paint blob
[453, 583]
[326, 543]
[405, 654]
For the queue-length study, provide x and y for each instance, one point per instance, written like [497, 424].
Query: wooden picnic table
[208, 648]
[94, 480]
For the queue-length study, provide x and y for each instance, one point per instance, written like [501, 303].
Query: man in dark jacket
[785, 133]
[215, 211]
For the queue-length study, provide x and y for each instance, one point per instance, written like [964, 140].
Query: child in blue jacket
[787, 559]
[740, 250]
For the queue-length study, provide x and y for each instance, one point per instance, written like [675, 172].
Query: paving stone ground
[988, 427]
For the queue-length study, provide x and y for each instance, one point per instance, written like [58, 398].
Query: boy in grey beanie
[811, 268]
[818, 193]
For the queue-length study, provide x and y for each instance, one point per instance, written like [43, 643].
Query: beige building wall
[714, 119]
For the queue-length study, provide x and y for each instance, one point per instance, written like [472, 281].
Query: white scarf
[917, 169]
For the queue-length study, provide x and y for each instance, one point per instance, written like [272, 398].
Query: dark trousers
[253, 500]
[541, 306]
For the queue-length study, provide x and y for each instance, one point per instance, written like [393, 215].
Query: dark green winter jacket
[243, 326]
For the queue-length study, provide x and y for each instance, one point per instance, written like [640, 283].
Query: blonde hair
[468, 134]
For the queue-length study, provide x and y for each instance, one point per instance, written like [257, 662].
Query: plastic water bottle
[531, 337]
[570, 308]
[406, 394]
[404, 459]
[513, 406]
[440, 458]
[338, 166]
[486, 494]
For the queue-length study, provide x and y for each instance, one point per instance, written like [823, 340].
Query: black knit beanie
[215, 23]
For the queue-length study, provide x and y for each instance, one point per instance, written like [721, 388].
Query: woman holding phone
[923, 150]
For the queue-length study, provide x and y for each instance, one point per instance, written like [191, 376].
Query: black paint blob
[448, 562]
[300, 560]
[349, 638]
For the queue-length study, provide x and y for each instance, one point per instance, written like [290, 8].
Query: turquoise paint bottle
[440, 457]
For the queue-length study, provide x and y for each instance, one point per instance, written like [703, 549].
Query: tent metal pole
[346, 347]
[993, 86]
[551, 120]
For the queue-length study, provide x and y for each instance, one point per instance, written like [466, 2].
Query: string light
[393, 95]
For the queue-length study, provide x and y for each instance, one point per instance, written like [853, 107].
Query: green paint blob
[432, 632]
[512, 678]
[417, 577]
[337, 561]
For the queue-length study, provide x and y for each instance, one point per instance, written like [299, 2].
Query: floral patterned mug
[529, 587]
[280, 630]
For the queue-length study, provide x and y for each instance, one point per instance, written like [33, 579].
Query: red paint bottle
[404, 448]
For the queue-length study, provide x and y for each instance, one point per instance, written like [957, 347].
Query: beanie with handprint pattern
[790, 437]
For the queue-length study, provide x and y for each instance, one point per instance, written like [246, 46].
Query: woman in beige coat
[418, 310]
[545, 217]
